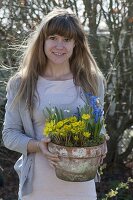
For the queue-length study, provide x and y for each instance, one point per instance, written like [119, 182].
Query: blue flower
[97, 112]
[93, 103]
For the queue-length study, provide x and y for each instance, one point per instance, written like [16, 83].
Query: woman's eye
[52, 37]
[66, 39]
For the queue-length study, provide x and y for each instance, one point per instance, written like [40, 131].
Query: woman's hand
[52, 158]
[105, 150]
[102, 158]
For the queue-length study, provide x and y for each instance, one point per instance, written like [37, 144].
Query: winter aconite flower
[85, 116]
[86, 134]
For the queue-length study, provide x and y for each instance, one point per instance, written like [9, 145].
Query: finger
[103, 156]
[54, 164]
[50, 155]
[53, 159]
[101, 161]
[46, 140]
[46, 152]
[107, 137]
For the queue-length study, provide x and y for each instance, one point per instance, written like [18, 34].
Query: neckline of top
[48, 80]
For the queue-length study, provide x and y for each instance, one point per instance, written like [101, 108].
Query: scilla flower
[94, 103]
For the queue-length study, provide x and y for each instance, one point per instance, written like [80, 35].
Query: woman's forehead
[61, 27]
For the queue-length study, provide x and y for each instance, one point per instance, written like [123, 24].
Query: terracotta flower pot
[77, 164]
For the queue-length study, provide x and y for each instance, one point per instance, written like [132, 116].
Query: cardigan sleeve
[13, 134]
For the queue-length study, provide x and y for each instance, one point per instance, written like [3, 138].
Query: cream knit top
[46, 186]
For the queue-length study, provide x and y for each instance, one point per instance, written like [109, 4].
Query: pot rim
[58, 145]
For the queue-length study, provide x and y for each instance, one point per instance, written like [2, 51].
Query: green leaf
[49, 112]
[61, 114]
[57, 114]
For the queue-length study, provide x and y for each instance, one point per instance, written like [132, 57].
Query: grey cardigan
[18, 131]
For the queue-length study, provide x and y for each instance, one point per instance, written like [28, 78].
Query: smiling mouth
[58, 54]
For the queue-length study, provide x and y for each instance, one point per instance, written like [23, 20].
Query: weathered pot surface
[77, 164]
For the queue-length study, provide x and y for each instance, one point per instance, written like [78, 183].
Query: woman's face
[58, 49]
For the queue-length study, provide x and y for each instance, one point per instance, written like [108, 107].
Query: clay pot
[77, 164]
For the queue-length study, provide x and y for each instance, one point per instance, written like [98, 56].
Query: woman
[56, 69]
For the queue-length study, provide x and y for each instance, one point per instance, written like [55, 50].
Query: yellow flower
[85, 116]
[76, 138]
[74, 124]
[49, 127]
[112, 193]
[86, 134]
[81, 125]
[73, 130]
[59, 124]
[67, 127]
[73, 119]
[45, 132]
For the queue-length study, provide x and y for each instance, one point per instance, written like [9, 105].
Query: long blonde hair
[82, 64]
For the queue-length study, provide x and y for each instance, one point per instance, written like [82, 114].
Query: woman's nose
[59, 44]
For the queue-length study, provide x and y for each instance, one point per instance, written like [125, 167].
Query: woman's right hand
[52, 158]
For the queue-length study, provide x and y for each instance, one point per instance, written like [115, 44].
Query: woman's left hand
[105, 151]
